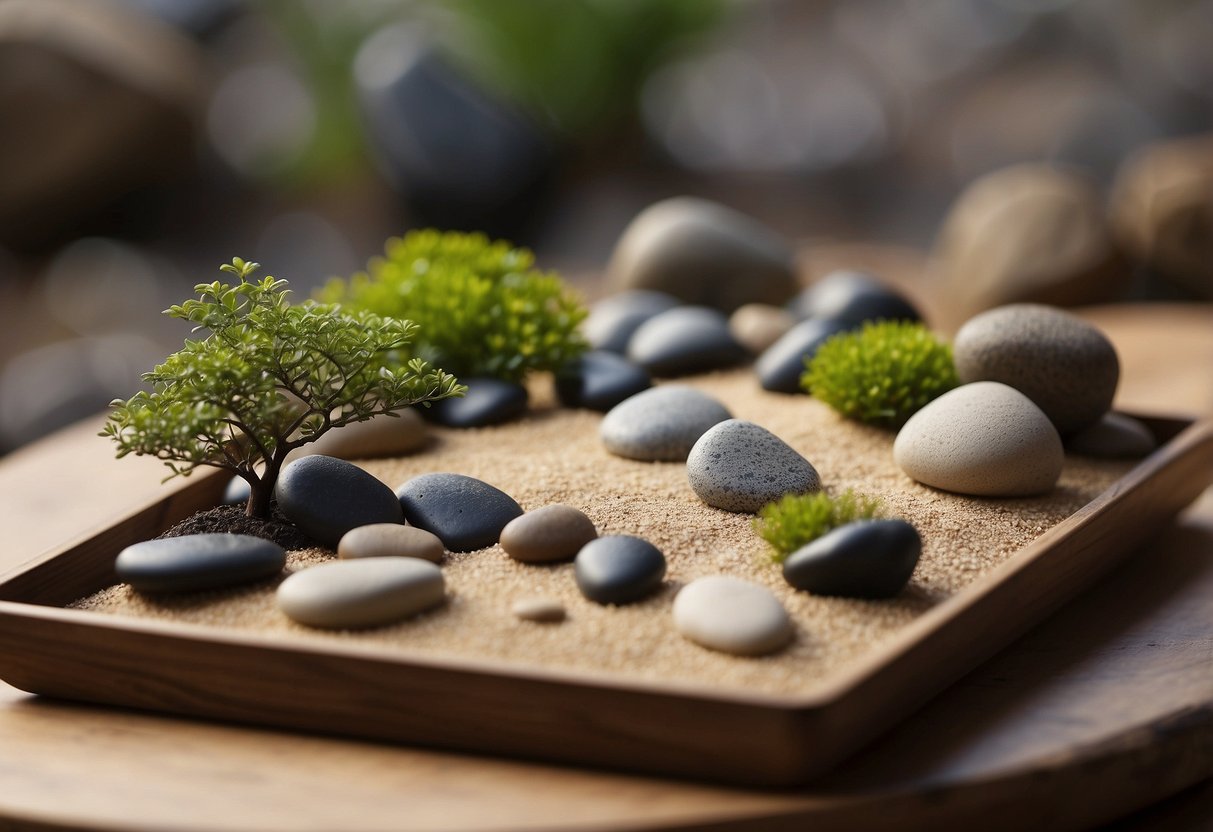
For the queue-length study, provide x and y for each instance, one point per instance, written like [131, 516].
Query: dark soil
[233, 519]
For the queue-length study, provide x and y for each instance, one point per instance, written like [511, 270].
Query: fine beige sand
[554, 456]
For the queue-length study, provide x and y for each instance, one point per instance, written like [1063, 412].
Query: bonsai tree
[483, 310]
[268, 377]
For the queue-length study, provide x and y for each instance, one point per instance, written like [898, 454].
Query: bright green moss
[797, 519]
[881, 374]
[480, 307]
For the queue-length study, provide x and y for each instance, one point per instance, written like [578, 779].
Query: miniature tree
[268, 378]
[482, 308]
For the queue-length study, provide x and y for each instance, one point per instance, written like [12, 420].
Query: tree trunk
[260, 493]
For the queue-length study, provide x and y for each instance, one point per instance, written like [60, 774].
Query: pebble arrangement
[1033, 376]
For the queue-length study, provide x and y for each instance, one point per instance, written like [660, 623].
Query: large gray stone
[740, 466]
[198, 561]
[660, 424]
[465, 513]
[689, 339]
[326, 497]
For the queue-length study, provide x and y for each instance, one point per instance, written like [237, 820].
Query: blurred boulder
[1162, 211]
[1027, 233]
[703, 253]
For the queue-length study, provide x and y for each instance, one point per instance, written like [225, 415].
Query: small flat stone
[780, 367]
[985, 439]
[732, 616]
[689, 339]
[326, 497]
[198, 561]
[541, 610]
[599, 380]
[395, 434]
[1059, 361]
[489, 401]
[612, 320]
[552, 533]
[865, 559]
[382, 540]
[618, 569]
[703, 252]
[660, 424]
[758, 325]
[367, 592]
[852, 298]
[1115, 436]
[465, 513]
[740, 466]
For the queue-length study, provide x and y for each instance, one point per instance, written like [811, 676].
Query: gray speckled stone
[382, 540]
[689, 339]
[367, 592]
[739, 466]
[612, 320]
[464, 512]
[1115, 436]
[618, 569]
[1061, 362]
[198, 561]
[852, 298]
[703, 252]
[551, 533]
[732, 616]
[660, 424]
[779, 368]
[985, 439]
[865, 559]
[326, 497]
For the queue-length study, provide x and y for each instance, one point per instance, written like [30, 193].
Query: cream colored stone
[367, 592]
[732, 616]
[758, 325]
[380, 540]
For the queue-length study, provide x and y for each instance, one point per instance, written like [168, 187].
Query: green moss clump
[795, 520]
[480, 307]
[881, 374]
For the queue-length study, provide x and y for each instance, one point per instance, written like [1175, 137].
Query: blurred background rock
[994, 149]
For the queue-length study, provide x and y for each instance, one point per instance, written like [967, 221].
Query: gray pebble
[368, 592]
[326, 497]
[852, 298]
[740, 466]
[1115, 436]
[732, 616]
[689, 339]
[660, 424]
[865, 559]
[1061, 362]
[465, 513]
[198, 561]
[599, 380]
[612, 320]
[985, 439]
[552, 533]
[488, 401]
[779, 368]
[618, 569]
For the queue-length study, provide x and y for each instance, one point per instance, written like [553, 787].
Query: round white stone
[732, 616]
[984, 439]
[367, 592]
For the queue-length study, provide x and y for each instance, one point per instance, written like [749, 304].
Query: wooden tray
[386, 694]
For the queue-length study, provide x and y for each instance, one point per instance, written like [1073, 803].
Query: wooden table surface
[1104, 709]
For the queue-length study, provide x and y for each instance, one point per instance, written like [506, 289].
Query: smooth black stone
[599, 380]
[613, 320]
[852, 298]
[865, 559]
[489, 401]
[326, 497]
[685, 340]
[465, 513]
[198, 561]
[781, 366]
[237, 492]
[618, 569]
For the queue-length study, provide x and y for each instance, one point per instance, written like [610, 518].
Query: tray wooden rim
[1192, 445]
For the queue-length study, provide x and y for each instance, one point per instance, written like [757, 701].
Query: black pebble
[326, 497]
[781, 366]
[685, 340]
[599, 380]
[618, 569]
[865, 559]
[489, 401]
[198, 561]
[613, 320]
[852, 298]
[465, 513]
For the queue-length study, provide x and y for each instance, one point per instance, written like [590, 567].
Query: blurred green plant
[796, 520]
[483, 310]
[881, 374]
[268, 378]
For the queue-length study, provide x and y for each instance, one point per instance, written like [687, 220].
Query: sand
[554, 455]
